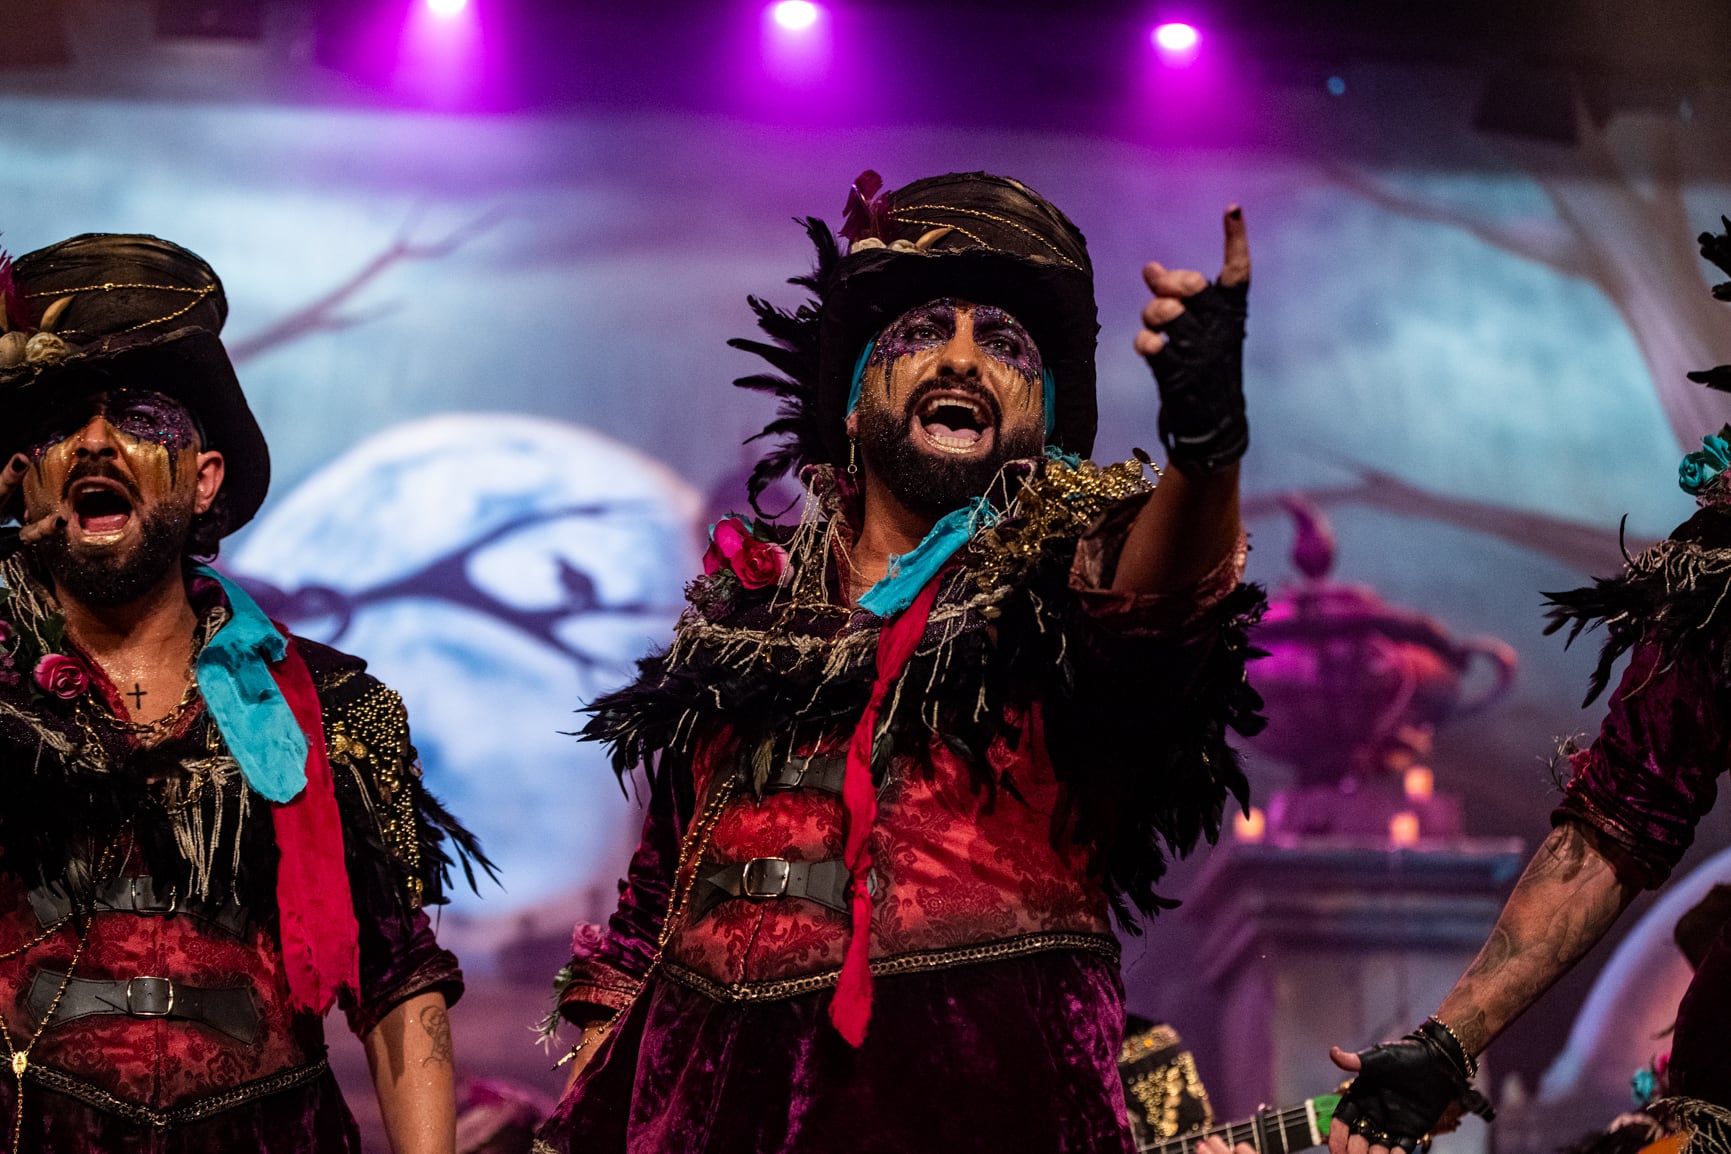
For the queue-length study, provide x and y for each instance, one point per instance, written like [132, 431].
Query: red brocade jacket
[1044, 734]
[169, 1026]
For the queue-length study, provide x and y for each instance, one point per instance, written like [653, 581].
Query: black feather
[792, 351]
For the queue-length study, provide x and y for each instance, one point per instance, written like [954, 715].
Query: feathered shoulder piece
[792, 354]
[1678, 589]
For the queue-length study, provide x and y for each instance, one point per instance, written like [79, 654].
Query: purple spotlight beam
[447, 7]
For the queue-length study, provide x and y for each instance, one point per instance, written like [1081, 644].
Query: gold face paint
[112, 462]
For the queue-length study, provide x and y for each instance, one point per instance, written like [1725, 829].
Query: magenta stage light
[795, 15]
[1177, 42]
[446, 7]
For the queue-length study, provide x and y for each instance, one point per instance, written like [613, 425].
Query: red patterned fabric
[956, 866]
[320, 937]
[160, 1063]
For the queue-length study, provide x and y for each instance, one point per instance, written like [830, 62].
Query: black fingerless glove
[1404, 1087]
[1201, 377]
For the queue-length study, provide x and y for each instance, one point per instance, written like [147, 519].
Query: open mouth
[102, 508]
[954, 422]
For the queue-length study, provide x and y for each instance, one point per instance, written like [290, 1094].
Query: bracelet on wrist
[1455, 1048]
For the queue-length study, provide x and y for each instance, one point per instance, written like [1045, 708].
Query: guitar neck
[1268, 1132]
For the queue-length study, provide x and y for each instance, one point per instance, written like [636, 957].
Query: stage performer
[905, 757]
[1627, 815]
[211, 830]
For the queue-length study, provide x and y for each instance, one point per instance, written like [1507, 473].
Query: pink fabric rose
[587, 939]
[732, 546]
[64, 677]
[760, 563]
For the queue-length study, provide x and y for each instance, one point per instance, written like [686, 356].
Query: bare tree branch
[1586, 549]
[327, 315]
[1547, 242]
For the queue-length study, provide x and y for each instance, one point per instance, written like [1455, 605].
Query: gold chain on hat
[198, 294]
[901, 215]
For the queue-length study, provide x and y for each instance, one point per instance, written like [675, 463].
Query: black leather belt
[142, 896]
[765, 879]
[230, 1010]
[824, 771]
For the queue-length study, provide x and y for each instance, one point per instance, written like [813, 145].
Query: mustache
[84, 470]
[978, 392]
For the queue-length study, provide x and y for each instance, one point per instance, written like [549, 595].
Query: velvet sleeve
[607, 966]
[400, 959]
[1649, 776]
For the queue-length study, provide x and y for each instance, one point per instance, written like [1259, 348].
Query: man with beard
[212, 831]
[905, 757]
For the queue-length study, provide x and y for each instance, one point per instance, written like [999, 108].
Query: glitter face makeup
[933, 324]
[952, 392]
[123, 470]
[142, 414]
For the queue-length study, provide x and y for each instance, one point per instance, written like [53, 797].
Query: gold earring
[852, 450]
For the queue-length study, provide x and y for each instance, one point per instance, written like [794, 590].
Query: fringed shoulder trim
[1675, 590]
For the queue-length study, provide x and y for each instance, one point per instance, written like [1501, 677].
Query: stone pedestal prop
[1337, 941]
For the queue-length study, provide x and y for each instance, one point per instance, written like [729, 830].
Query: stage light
[795, 15]
[1176, 42]
[1176, 37]
[446, 7]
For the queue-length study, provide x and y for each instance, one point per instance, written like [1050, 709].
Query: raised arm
[1193, 339]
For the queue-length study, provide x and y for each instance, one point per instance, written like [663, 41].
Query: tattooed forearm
[1565, 901]
[436, 1021]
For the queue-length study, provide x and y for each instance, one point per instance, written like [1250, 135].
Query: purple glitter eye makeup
[141, 414]
[932, 325]
[153, 417]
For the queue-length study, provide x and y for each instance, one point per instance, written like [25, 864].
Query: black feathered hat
[978, 237]
[104, 311]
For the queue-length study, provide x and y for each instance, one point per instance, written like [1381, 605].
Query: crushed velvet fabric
[1004, 1056]
[1649, 776]
[1701, 1046]
[309, 1119]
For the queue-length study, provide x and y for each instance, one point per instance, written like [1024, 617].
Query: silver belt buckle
[132, 1010]
[764, 878]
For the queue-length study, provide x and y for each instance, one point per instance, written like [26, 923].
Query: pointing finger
[1344, 1059]
[1236, 267]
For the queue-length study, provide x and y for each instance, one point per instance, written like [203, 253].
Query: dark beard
[107, 581]
[925, 483]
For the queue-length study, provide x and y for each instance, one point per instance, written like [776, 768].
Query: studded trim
[60, 1081]
[922, 961]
